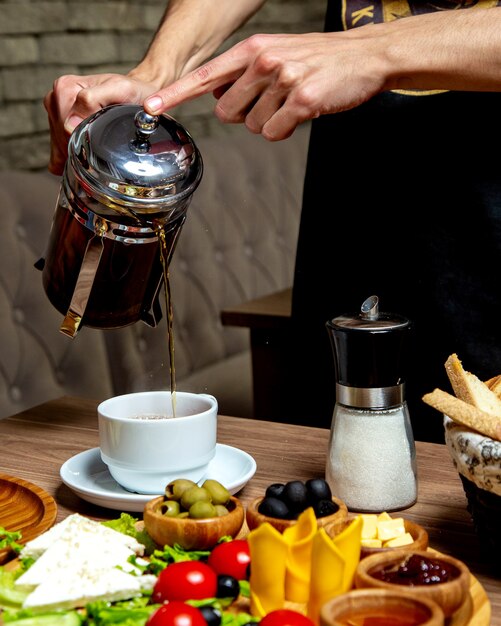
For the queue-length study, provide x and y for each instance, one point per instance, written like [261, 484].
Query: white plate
[87, 475]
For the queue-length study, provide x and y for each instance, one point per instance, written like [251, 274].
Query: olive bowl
[418, 534]
[449, 595]
[189, 533]
[332, 524]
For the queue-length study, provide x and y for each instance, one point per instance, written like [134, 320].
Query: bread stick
[465, 414]
[470, 388]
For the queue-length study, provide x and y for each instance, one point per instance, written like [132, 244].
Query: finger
[114, 90]
[87, 102]
[220, 91]
[283, 123]
[58, 145]
[221, 71]
[240, 98]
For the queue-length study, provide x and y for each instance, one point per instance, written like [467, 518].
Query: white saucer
[87, 475]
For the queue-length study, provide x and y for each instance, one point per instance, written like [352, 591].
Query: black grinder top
[370, 355]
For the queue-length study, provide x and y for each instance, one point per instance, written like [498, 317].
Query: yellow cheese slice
[390, 529]
[369, 526]
[268, 551]
[403, 540]
[299, 537]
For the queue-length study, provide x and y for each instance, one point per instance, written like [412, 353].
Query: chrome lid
[122, 155]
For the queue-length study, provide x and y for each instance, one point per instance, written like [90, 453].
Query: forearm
[189, 33]
[457, 50]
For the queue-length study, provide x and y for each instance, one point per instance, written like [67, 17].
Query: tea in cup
[146, 444]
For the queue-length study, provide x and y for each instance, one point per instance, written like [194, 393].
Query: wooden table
[36, 442]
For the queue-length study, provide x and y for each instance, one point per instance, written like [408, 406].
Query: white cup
[145, 447]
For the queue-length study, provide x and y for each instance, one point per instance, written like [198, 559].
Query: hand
[73, 98]
[272, 83]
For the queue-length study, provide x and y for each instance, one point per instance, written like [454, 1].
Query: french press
[371, 460]
[127, 184]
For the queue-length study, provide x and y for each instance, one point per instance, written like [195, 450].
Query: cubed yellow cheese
[383, 517]
[372, 543]
[403, 540]
[390, 529]
[369, 526]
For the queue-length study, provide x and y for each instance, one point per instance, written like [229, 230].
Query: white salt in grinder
[371, 460]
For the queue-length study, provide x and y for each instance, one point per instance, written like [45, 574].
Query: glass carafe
[127, 184]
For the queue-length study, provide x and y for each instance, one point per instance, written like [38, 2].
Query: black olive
[295, 496]
[325, 507]
[274, 491]
[273, 507]
[318, 489]
[211, 615]
[227, 587]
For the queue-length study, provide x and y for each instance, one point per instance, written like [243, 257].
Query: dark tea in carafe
[127, 276]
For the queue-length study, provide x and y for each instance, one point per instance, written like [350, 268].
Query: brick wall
[43, 39]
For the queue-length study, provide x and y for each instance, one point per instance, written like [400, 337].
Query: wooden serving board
[24, 507]
[476, 610]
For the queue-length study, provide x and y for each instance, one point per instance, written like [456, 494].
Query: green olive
[202, 510]
[176, 488]
[194, 494]
[221, 510]
[170, 508]
[218, 492]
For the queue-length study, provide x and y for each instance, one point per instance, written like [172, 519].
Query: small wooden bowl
[380, 604]
[448, 595]
[192, 534]
[333, 524]
[417, 532]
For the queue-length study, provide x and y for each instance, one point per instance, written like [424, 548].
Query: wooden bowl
[333, 524]
[448, 595]
[192, 534]
[417, 532]
[380, 604]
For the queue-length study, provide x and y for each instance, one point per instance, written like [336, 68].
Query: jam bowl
[380, 606]
[426, 574]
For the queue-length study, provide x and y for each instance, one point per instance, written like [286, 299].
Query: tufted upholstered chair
[37, 362]
[238, 243]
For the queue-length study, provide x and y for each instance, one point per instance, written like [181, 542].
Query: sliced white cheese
[74, 553]
[66, 592]
[71, 526]
[80, 560]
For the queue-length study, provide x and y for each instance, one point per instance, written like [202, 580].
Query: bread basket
[477, 459]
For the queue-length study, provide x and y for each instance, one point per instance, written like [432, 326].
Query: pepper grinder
[371, 461]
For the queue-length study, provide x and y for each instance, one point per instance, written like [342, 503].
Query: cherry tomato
[231, 558]
[285, 617]
[176, 614]
[185, 580]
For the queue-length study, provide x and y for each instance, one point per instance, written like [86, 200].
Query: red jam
[417, 570]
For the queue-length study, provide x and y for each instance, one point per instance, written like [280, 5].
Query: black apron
[402, 199]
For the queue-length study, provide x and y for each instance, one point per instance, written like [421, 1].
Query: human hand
[272, 83]
[73, 98]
